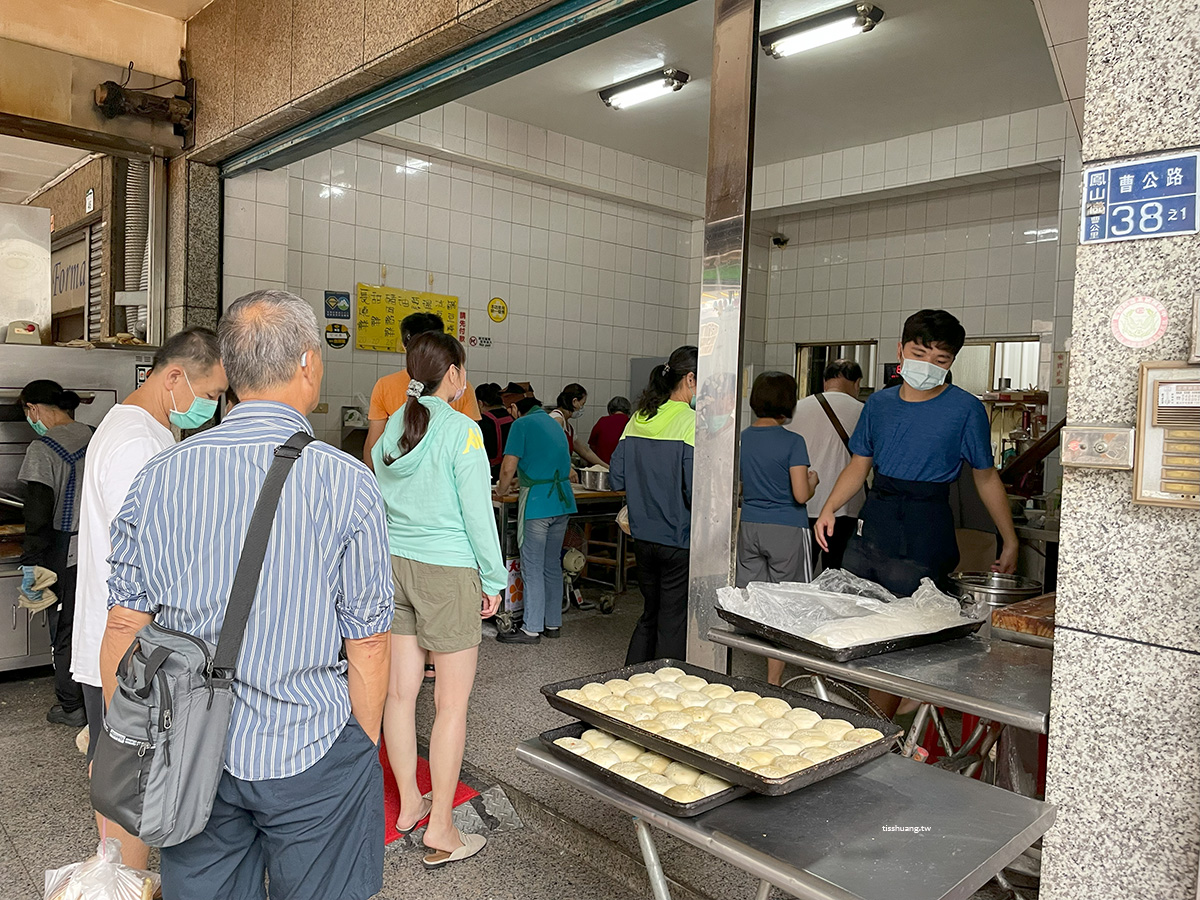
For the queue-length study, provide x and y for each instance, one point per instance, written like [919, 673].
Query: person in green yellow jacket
[653, 466]
[435, 478]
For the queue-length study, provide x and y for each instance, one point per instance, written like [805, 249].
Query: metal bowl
[994, 588]
[594, 480]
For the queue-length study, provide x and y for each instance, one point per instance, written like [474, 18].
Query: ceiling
[176, 9]
[928, 64]
[25, 166]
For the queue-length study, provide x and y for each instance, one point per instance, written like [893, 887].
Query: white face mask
[921, 375]
[462, 390]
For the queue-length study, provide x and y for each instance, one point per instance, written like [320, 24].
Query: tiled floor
[572, 846]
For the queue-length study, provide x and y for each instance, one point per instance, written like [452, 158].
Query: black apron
[907, 534]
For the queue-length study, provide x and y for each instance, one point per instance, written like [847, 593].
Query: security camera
[779, 240]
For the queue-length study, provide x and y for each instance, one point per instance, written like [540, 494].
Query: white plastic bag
[842, 620]
[103, 877]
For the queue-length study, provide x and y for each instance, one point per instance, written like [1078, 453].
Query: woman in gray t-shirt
[52, 478]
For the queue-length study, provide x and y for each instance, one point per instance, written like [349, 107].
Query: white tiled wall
[856, 299]
[607, 267]
[979, 150]
[988, 254]
[589, 283]
[486, 136]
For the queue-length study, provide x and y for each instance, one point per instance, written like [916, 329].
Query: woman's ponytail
[430, 356]
[665, 378]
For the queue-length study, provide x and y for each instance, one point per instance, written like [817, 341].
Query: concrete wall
[103, 30]
[262, 66]
[1124, 760]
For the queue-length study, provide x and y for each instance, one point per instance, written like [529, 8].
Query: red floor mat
[391, 794]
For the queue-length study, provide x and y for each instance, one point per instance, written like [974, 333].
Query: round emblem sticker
[337, 336]
[1139, 322]
[497, 310]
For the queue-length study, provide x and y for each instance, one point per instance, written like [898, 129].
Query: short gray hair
[263, 336]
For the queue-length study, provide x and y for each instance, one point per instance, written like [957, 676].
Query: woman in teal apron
[52, 477]
[538, 455]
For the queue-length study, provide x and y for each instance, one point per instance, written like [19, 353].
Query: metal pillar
[722, 318]
[156, 294]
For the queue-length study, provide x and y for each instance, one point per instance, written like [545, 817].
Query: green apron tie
[558, 482]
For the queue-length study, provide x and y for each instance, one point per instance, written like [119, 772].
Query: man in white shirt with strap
[182, 388]
[826, 421]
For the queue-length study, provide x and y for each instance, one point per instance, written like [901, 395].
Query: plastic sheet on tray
[859, 614]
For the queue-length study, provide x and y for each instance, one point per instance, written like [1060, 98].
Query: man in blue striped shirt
[301, 798]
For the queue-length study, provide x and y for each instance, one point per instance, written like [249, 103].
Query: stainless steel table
[995, 680]
[831, 841]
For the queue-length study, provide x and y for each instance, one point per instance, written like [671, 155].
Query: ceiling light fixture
[643, 88]
[823, 28]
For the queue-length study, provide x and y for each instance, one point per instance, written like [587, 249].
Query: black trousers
[907, 535]
[61, 619]
[844, 528]
[661, 632]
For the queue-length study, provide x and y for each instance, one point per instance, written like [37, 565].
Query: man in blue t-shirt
[917, 436]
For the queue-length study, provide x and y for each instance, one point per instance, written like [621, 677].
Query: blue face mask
[38, 428]
[921, 375]
[201, 410]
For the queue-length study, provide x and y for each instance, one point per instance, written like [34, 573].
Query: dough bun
[575, 745]
[684, 793]
[681, 774]
[659, 783]
[602, 757]
[597, 738]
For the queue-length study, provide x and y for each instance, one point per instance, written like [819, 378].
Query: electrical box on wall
[1097, 446]
[1167, 462]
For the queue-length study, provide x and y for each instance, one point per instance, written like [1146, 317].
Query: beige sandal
[427, 806]
[471, 844]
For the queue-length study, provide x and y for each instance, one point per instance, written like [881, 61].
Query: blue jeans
[541, 570]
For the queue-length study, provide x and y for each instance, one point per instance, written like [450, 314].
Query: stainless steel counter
[995, 680]
[830, 841]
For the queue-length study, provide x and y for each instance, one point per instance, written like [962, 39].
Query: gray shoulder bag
[161, 752]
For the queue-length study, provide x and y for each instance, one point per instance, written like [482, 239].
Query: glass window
[811, 360]
[997, 365]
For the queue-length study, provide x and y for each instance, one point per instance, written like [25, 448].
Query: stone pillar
[193, 245]
[1124, 754]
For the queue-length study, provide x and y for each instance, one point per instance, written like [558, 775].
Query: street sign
[1143, 199]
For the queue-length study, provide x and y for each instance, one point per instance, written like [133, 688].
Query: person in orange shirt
[391, 391]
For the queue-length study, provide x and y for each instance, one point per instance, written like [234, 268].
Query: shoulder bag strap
[254, 551]
[835, 422]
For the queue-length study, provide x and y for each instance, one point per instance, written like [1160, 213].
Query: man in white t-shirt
[827, 451]
[182, 389]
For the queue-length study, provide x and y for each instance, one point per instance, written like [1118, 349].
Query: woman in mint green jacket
[435, 478]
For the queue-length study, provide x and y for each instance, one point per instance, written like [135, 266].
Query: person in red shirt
[608, 430]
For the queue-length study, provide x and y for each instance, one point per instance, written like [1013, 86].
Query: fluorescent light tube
[823, 28]
[643, 87]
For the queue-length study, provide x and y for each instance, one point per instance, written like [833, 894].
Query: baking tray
[772, 787]
[653, 799]
[845, 654]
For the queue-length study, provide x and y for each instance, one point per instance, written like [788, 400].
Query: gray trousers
[773, 553]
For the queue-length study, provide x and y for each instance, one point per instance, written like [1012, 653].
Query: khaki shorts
[438, 604]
